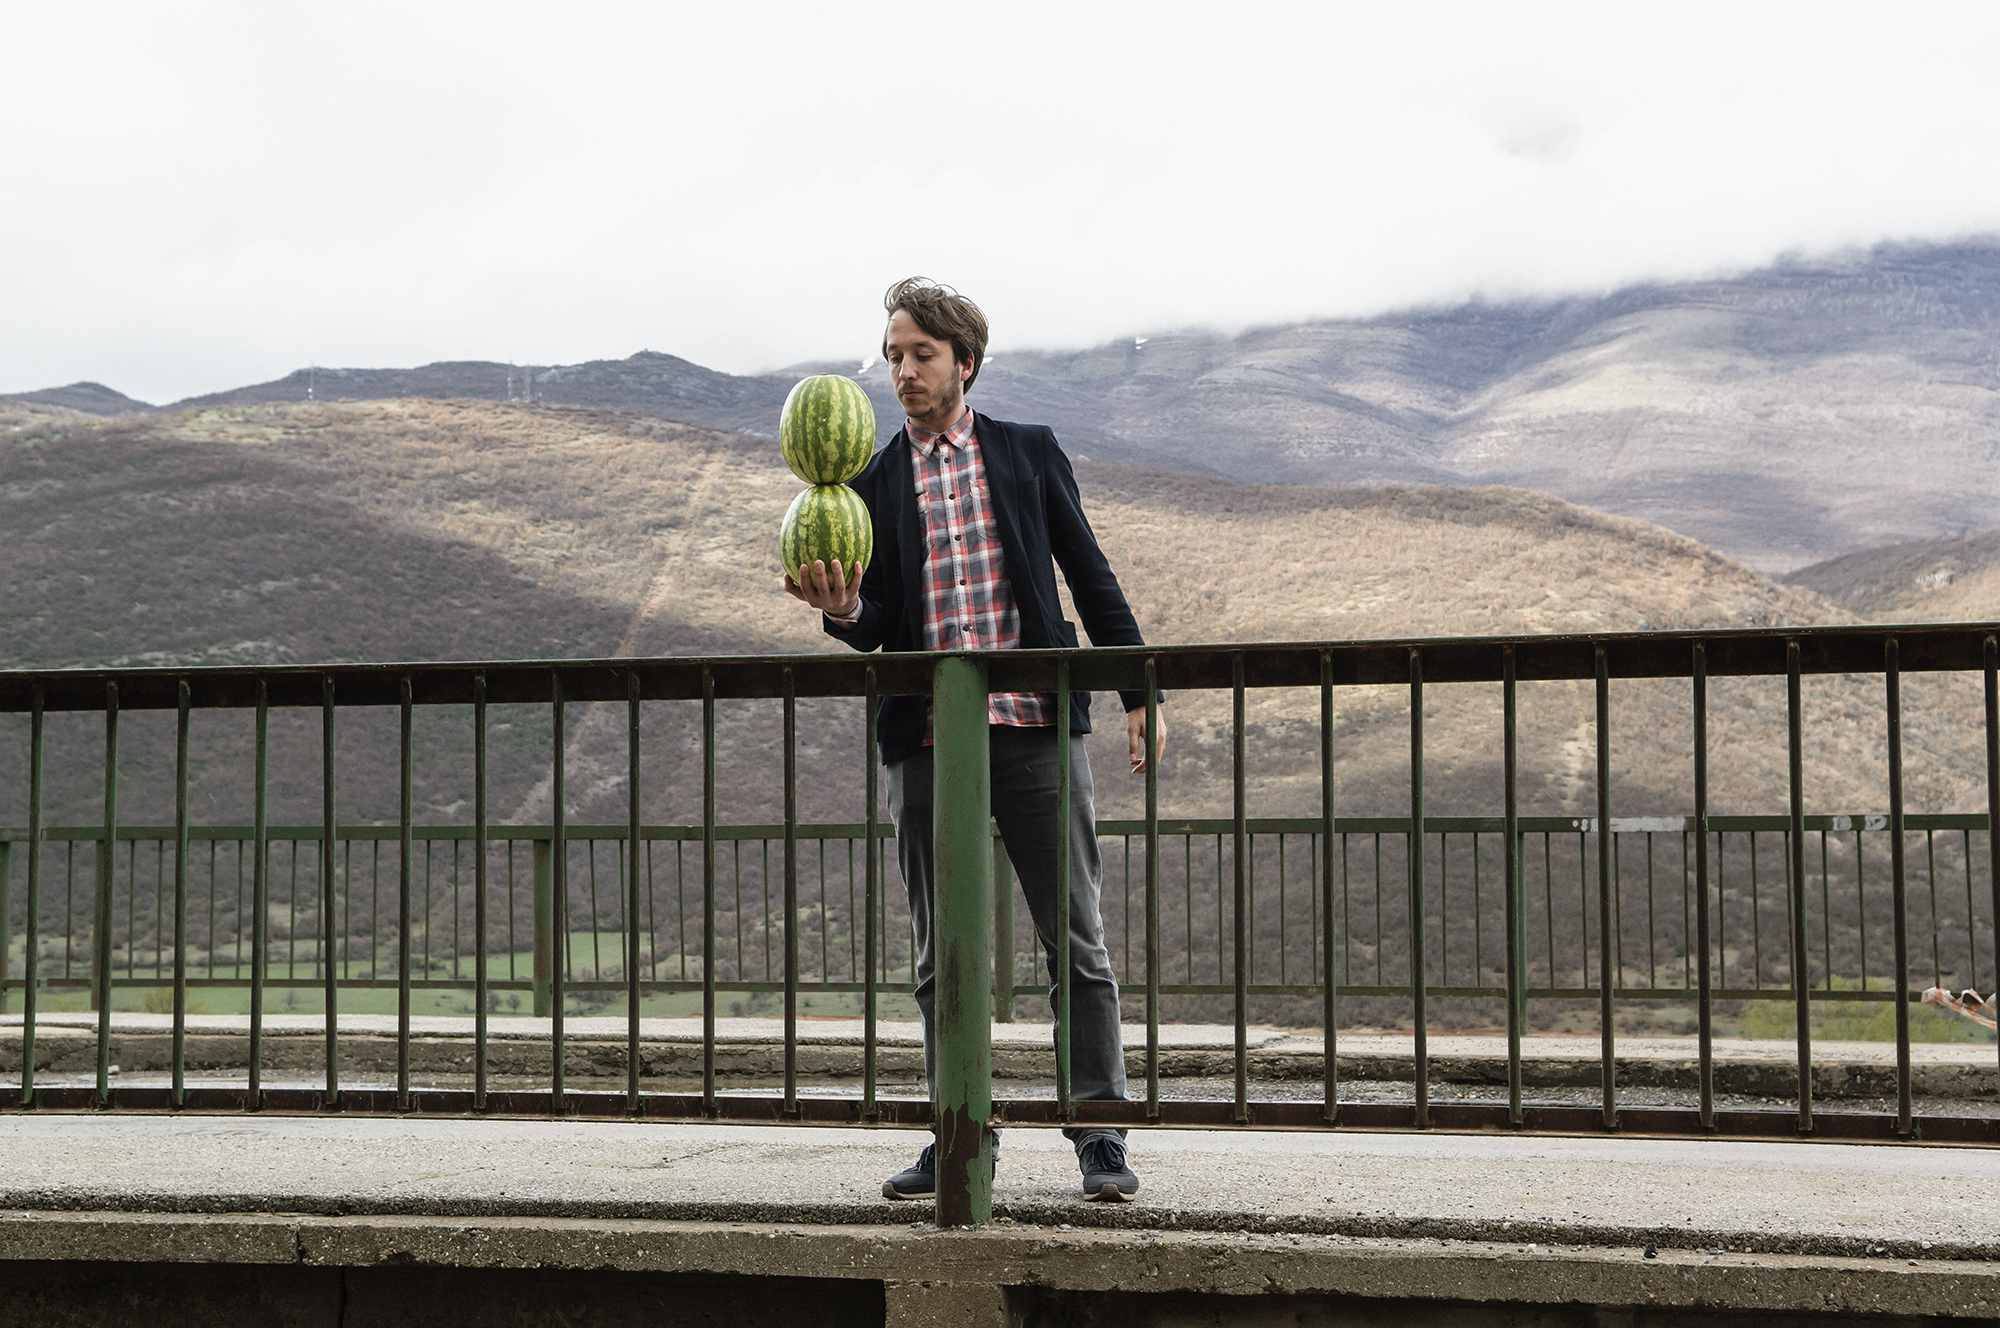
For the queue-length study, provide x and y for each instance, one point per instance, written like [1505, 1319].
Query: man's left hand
[1135, 737]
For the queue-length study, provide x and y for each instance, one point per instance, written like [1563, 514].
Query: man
[969, 514]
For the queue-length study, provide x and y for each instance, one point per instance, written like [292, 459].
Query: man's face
[929, 380]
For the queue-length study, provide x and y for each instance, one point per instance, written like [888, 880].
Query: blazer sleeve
[1093, 586]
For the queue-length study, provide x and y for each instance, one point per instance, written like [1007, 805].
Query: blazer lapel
[910, 531]
[1003, 476]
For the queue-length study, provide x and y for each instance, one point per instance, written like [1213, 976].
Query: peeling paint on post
[962, 813]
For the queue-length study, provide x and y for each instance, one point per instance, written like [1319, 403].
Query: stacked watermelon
[827, 434]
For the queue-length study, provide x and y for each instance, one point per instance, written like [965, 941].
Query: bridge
[1465, 921]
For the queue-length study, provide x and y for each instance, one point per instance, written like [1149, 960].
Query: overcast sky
[194, 197]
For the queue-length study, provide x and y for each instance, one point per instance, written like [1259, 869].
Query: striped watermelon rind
[827, 429]
[826, 522]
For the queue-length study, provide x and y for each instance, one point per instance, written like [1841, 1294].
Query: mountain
[1782, 417]
[649, 383]
[87, 398]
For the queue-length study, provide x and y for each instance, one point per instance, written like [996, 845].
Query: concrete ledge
[832, 1050]
[1149, 1262]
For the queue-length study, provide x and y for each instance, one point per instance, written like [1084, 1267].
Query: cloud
[202, 196]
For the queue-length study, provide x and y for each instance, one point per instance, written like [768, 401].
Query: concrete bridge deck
[1807, 1229]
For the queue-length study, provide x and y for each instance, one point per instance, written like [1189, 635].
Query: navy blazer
[1038, 515]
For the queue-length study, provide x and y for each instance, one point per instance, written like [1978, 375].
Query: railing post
[1003, 934]
[545, 920]
[961, 816]
[6, 909]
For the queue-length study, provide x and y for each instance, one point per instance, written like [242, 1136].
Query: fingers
[1135, 738]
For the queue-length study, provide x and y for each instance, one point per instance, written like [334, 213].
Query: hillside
[441, 529]
[1954, 579]
[1783, 416]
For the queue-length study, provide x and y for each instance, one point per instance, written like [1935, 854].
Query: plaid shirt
[968, 601]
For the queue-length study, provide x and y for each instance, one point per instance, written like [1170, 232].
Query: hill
[1783, 416]
[439, 529]
[453, 529]
[1953, 579]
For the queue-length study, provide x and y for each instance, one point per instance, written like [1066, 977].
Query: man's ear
[965, 368]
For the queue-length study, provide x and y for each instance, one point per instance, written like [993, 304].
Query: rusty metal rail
[957, 684]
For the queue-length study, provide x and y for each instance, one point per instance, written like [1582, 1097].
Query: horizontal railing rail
[1412, 891]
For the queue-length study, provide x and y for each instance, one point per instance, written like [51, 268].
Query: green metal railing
[1441, 954]
[1652, 901]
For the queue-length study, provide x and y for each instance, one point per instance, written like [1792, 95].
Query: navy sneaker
[1105, 1173]
[919, 1179]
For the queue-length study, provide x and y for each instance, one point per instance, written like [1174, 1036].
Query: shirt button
[958, 537]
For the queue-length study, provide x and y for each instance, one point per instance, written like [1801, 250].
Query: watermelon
[827, 429]
[826, 522]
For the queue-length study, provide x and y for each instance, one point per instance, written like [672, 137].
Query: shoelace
[1104, 1153]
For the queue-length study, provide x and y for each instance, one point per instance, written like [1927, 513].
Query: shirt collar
[956, 435]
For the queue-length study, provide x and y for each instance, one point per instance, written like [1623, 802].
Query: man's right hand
[824, 589]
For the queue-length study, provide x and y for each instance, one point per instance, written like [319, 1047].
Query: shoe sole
[1110, 1193]
[891, 1192]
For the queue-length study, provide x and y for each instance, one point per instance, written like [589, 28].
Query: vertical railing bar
[1687, 915]
[708, 1101]
[31, 955]
[1652, 924]
[1721, 910]
[1517, 922]
[346, 909]
[479, 975]
[559, 950]
[1617, 906]
[1826, 908]
[872, 893]
[1549, 901]
[1065, 1108]
[260, 893]
[1241, 864]
[596, 928]
[457, 906]
[1898, 890]
[179, 1071]
[1478, 920]
[405, 865]
[1607, 1033]
[633, 833]
[326, 848]
[1152, 889]
[214, 850]
[1419, 984]
[1756, 922]
[1992, 653]
[791, 1099]
[1444, 907]
[1187, 887]
[1378, 909]
[1795, 883]
[100, 972]
[1930, 874]
[1861, 902]
[1282, 942]
[1328, 977]
[1704, 1002]
[1971, 975]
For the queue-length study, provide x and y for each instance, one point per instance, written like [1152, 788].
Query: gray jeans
[1024, 806]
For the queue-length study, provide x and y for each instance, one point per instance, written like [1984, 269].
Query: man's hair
[942, 313]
